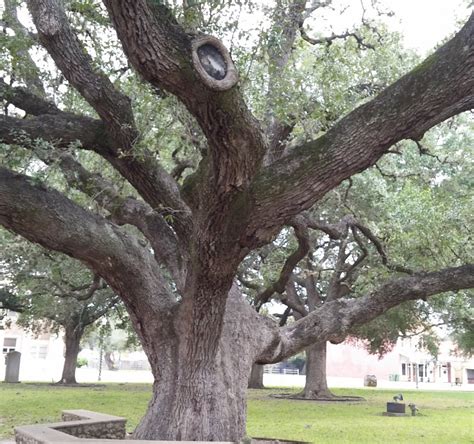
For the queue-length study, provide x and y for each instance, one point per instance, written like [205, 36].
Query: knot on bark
[213, 63]
[49, 22]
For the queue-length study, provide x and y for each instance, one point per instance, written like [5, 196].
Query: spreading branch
[302, 236]
[46, 217]
[440, 87]
[153, 183]
[24, 99]
[338, 317]
[333, 37]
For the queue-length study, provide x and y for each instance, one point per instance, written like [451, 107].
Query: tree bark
[316, 386]
[72, 340]
[199, 392]
[109, 361]
[256, 377]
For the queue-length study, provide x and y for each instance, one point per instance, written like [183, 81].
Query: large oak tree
[200, 335]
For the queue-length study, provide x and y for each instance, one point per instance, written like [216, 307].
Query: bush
[81, 362]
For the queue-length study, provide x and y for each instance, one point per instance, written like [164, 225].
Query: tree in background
[171, 246]
[343, 259]
[113, 336]
[54, 294]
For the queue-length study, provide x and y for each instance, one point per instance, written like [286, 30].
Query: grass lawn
[446, 417]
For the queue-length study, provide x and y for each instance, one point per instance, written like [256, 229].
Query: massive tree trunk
[316, 386]
[256, 377]
[72, 340]
[199, 391]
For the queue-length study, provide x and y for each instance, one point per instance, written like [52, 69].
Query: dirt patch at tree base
[320, 399]
[78, 385]
[275, 441]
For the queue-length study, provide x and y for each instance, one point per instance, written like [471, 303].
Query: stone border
[82, 427]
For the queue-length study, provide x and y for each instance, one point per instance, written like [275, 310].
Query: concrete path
[89, 375]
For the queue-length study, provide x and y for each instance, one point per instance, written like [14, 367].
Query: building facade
[405, 362]
[41, 356]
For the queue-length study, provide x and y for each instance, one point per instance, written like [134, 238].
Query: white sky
[424, 23]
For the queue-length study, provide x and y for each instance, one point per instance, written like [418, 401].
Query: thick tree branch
[302, 236]
[24, 99]
[62, 44]
[47, 217]
[334, 231]
[61, 130]
[335, 281]
[338, 317]
[440, 87]
[292, 299]
[161, 52]
[153, 183]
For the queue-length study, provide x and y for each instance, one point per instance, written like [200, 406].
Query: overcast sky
[424, 23]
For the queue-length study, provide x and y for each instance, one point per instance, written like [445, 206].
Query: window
[39, 351]
[470, 375]
[404, 369]
[9, 344]
[421, 368]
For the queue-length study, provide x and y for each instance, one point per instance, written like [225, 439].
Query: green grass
[446, 417]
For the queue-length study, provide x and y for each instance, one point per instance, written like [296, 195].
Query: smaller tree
[52, 293]
[113, 336]
[410, 217]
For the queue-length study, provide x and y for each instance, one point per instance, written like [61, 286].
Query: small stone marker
[370, 381]
[413, 408]
[396, 407]
[12, 373]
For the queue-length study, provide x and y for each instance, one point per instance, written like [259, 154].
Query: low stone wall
[77, 424]
[111, 427]
[82, 427]
[86, 427]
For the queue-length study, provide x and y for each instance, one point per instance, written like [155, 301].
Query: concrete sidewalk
[277, 380]
[89, 375]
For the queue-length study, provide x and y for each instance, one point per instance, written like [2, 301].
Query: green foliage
[81, 362]
[299, 361]
[50, 288]
[420, 208]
